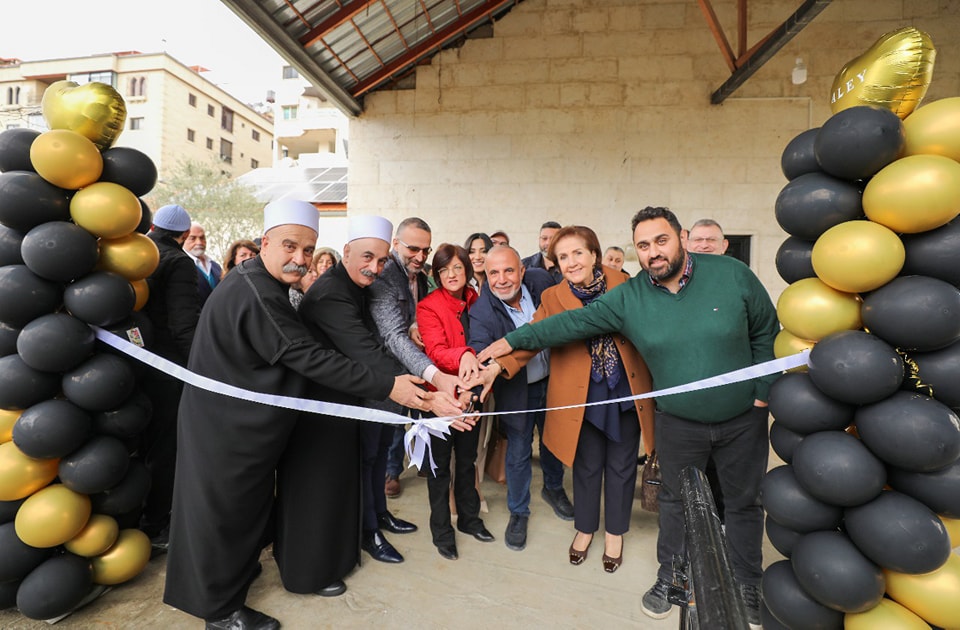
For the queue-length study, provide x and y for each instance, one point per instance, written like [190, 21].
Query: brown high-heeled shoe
[611, 564]
[577, 556]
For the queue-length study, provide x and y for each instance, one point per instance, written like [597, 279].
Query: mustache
[366, 273]
[295, 268]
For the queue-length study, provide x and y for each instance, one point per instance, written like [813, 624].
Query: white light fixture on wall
[799, 74]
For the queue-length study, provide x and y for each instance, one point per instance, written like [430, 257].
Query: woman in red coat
[442, 319]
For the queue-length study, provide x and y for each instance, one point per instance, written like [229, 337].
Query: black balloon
[25, 296]
[17, 558]
[910, 431]
[130, 168]
[799, 157]
[899, 533]
[784, 441]
[859, 141]
[782, 538]
[60, 251]
[146, 218]
[55, 343]
[834, 572]
[100, 298]
[791, 605]
[939, 371]
[935, 253]
[914, 313]
[797, 404]
[8, 594]
[22, 386]
[855, 367]
[788, 503]
[98, 465]
[10, 241]
[100, 383]
[794, 260]
[51, 429]
[838, 469]
[938, 490]
[15, 149]
[127, 496]
[55, 587]
[813, 203]
[127, 420]
[8, 509]
[137, 329]
[768, 621]
[8, 339]
[27, 200]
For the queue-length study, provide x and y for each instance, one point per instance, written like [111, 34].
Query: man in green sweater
[691, 316]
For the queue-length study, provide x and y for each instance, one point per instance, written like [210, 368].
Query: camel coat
[570, 375]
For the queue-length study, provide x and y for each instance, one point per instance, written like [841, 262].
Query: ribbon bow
[417, 439]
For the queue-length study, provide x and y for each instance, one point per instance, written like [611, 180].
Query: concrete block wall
[583, 111]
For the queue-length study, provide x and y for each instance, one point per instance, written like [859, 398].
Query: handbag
[496, 465]
[650, 484]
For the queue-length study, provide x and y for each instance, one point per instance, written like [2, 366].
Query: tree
[227, 209]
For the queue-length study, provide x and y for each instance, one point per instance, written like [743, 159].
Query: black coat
[174, 303]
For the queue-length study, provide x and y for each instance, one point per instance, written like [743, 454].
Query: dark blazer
[203, 285]
[535, 261]
[490, 321]
[174, 304]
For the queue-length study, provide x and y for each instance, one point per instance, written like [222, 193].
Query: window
[226, 151]
[9, 96]
[191, 135]
[739, 247]
[13, 95]
[192, 100]
[210, 143]
[255, 135]
[136, 123]
[107, 76]
[254, 163]
[13, 126]
[137, 86]
[289, 72]
[211, 111]
[226, 119]
[289, 112]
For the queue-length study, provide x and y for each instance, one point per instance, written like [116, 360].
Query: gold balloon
[893, 74]
[952, 526]
[888, 615]
[106, 210]
[66, 159]
[98, 535]
[934, 129]
[8, 417]
[133, 256]
[52, 516]
[95, 110]
[914, 194]
[786, 344]
[934, 596]
[812, 310]
[857, 256]
[142, 289]
[21, 476]
[124, 560]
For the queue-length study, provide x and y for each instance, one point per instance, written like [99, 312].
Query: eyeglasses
[446, 271]
[416, 250]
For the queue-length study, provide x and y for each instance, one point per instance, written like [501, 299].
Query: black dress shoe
[244, 619]
[557, 499]
[448, 551]
[380, 548]
[394, 525]
[482, 534]
[333, 590]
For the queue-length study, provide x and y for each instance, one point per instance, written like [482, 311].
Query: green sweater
[721, 320]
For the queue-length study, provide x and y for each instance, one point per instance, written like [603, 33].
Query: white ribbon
[417, 438]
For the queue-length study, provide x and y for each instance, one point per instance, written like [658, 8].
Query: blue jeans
[519, 431]
[740, 448]
[395, 453]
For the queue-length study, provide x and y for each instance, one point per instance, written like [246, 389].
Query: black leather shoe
[394, 525]
[482, 534]
[557, 499]
[380, 548]
[448, 551]
[244, 619]
[333, 590]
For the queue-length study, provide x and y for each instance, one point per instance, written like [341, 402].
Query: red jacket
[438, 318]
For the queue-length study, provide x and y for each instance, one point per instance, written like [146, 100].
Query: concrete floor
[489, 587]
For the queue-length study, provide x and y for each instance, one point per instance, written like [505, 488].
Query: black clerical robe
[248, 336]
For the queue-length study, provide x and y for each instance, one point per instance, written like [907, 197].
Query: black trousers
[464, 445]
[611, 467]
[159, 449]
[376, 439]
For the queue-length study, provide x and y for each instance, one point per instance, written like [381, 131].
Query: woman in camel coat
[600, 441]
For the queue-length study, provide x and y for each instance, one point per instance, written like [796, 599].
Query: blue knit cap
[173, 218]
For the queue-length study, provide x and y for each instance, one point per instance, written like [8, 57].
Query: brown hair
[325, 251]
[589, 237]
[446, 253]
[228, 263]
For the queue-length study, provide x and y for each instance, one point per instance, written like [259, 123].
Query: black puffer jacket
[174, 303]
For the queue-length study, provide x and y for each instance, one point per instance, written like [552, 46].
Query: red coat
[438, 318]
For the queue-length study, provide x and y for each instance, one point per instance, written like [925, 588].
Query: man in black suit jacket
[540, 260]
[513, 296]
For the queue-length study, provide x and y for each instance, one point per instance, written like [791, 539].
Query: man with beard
[250, 337]
[208, 271]
[691, 317]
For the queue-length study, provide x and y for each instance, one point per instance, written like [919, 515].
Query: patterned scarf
[604, 359]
